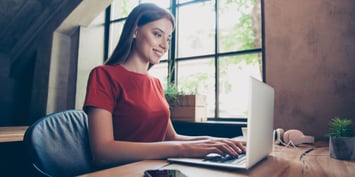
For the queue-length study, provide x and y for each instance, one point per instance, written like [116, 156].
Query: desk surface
[12, 133]
[283, 161]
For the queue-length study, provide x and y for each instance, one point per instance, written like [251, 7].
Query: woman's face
[152, 40]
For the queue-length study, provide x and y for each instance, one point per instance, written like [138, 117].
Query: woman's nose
[164, 44]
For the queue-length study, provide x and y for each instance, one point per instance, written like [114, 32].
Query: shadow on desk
[14, 160]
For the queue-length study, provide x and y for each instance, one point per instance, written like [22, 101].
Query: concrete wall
[90, 54]
[62, 76]
[6, 91]
[74, 52]
[16, 84]
[309, 60]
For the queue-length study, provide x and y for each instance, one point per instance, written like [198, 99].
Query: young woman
[128, 113]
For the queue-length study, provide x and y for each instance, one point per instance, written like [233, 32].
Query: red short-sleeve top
[139, 109]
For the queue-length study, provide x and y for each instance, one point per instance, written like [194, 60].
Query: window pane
[195, 29]
[160, 71]
[239, 25]
[161, 3]
[183, 1]
[234, 87]
[121, 8]
[198, 76]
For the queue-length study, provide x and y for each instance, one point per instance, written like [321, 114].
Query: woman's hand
[218, 145]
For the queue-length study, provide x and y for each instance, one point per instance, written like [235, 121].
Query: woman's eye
[156, 34]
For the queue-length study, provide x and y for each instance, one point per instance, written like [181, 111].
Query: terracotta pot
[342, 148]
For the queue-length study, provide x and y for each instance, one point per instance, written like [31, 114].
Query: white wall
[90, 54]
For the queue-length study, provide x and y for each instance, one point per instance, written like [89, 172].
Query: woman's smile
[158, 52]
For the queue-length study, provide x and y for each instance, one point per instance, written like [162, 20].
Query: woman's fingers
[219, 146]
[231, 147]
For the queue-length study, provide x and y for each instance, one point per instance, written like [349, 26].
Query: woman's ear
[135, 33]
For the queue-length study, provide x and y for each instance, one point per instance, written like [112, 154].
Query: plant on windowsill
[341, 139]
[185, 107]
[172, 95]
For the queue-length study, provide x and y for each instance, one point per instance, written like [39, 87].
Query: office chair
[58, 144]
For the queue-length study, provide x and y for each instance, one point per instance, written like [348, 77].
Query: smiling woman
[129, 117]
[223, 40]
[133, 23]
[151, 41]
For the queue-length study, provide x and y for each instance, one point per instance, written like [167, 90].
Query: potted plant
[341, 139]
[171, 94]
[185, 107]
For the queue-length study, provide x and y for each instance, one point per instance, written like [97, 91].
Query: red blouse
[137, 103]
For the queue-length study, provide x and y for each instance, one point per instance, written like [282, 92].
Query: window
[218, 45]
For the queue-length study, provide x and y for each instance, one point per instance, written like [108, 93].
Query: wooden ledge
[12, 133]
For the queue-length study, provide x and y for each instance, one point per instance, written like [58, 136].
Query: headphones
[292, 136]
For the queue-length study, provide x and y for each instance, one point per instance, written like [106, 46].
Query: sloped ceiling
[17, 17]
[21, 20]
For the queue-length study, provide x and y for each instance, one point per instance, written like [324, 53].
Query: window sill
[210, 128]
[218, 122]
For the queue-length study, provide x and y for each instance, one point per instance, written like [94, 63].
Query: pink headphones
[293, 136]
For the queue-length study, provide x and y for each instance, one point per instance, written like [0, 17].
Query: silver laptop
[259, 132]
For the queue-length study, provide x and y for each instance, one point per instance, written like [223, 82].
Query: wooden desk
[12, 133]
[282, 162]
[130, 170]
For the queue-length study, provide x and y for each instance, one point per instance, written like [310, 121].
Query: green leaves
[171, 94]
[340, 127]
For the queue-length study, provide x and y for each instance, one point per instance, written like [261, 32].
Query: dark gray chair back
[59, 144]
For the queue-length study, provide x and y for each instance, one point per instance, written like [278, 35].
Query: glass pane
[183, 1]
[234, 88]
[195, 29]
[198, 76]
[115, 32]
[160, 71]
[161, 3]
[239, 25]
[121, 8]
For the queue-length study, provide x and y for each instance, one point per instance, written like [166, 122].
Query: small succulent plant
[339, 127]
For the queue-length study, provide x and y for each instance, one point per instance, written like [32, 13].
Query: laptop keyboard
[228, 159]
[240, 160]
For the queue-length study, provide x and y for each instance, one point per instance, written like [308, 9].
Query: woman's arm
[173, 136]
[106, 151]
[192, 143]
